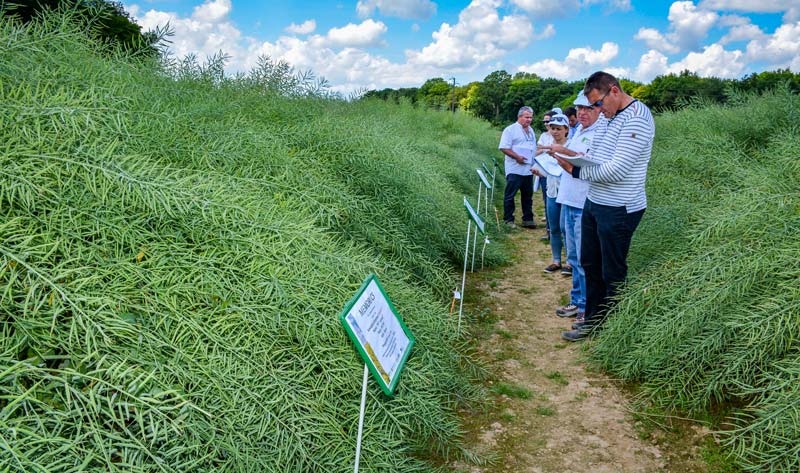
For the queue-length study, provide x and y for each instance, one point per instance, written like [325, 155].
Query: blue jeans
[606, 234]
[523, 184]
[543, 187]
[572, 231]
[554, 227]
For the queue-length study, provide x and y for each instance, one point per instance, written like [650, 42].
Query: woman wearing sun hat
[558, 128]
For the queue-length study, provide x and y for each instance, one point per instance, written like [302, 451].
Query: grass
[557, 377]
[712, 311]
[505, 334]
[175, 248]
[512, 391]
[545, 411]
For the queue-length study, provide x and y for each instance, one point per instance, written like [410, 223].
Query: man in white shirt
[518, 143]
[616, 199]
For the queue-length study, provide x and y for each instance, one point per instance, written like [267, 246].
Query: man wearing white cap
[616, 199]
[572, 197]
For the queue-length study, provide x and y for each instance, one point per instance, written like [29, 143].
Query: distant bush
[712, 314]
[175, 248]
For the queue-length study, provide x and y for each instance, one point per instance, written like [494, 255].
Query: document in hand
[549, 164]
[579, 160]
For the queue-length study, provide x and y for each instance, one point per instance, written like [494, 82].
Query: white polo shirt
[521, 142]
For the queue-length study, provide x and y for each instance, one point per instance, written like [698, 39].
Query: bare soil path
[552, 412]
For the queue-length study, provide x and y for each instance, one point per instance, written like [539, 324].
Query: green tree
[436, 93]
[488, 96]
[107, 19]
[675, 91]
[770, 80]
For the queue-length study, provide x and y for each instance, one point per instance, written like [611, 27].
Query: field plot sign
[473, 215]
[378, 332]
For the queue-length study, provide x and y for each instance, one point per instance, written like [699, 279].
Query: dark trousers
[523, 184]
[606, 234]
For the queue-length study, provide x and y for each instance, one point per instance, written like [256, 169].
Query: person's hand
[564, 163]
[536, 172]
[556, 148]
[519, 159]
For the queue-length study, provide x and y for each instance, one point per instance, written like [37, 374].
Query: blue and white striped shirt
[624, 152]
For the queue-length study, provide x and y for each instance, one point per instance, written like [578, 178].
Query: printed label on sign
[380, 336]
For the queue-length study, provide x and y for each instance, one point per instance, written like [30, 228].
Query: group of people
[591, 209]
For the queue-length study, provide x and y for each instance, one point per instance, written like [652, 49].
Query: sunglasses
[546, 122]
[599, 103]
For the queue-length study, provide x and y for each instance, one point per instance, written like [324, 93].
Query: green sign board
[483, 179]
[488, 172]
[474, 216]
[378, 332]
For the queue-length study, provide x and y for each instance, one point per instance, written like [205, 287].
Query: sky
[375, 44]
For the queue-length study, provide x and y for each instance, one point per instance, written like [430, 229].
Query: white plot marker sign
[381, 338]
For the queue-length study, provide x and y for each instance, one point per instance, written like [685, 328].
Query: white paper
[549, 164]
[378, 331]
[524, 151]
[579, 160]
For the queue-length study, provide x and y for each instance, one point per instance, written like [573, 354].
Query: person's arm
[511, 154]
[635, 136]
[561, 149]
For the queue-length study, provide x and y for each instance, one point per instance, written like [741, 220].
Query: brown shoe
[552, 268]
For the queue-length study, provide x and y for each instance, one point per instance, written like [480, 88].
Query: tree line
[106, 19]
[498, 97]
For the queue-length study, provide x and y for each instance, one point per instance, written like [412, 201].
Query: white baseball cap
[559, 119]
[581, 100]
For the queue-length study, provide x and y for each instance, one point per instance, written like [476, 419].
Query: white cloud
[305, 27]
[548, 8]
[349, 69]
[781, 49]
[621, 5]
[651, 65]
[689, 25]
[549, 32]
[790, 8]
[479, 36]
[655, 40]
[713, 61]
[365, 34]
[732, 20]
[742, 33]
[212, 11]
[408, 9]
[580, 62]
[540, 9]
[206, 32]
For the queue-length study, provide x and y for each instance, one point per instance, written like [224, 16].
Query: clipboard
[579, 160]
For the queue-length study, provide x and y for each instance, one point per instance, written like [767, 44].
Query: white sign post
[473, 217]
[482, 182]
[491, 199]
[485, 194]
[381, 338]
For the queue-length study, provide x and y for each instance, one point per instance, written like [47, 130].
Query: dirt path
[552, 413]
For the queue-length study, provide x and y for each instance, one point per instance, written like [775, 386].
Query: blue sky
[373, 44]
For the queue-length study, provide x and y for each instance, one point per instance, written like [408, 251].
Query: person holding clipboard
[518, 143]
[616, 198]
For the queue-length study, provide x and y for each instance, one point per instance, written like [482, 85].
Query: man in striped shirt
[616, 199]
